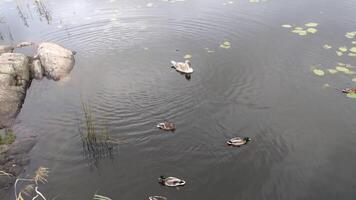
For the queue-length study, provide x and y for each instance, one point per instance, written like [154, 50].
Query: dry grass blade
[40, 175]
[2, 173]
[100, 197]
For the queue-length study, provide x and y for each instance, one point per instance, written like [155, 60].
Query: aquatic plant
[97, 142]
[8, 138]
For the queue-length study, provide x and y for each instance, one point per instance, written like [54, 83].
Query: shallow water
[303, 135]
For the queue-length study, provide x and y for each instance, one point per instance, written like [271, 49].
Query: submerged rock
[24, 44]
[6, 49]
[14, 81]
[36, 70]
[56, 60]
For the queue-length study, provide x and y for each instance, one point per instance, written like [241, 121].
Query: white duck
[183, 67]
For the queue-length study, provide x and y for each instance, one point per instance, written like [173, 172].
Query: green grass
[96, 141]
[8, 137]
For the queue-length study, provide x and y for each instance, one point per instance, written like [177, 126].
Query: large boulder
[14, 81]
[57, 61]
[6, 49]
[36, 70]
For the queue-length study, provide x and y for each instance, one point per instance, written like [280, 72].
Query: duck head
[247, 139]
[346, 90]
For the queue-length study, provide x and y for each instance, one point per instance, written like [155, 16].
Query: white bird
[183, 67]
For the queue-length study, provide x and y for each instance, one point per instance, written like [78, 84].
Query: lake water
[303, 132]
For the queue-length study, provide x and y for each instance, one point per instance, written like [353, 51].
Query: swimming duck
[171, 181]
[157, 198]
[238, 141]
[183, 67]
[349, 90]
[167, 126]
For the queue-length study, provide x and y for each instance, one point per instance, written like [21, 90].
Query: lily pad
[311, 24]
[343, 49]
[287, 26]
[326, 46]
[350, 35]
[342, 69]
[318, 72]
[351, 95]
[312, 30]
[332, 71]
[225, 45]
[188, 56]
[353, 49]
[339, 53]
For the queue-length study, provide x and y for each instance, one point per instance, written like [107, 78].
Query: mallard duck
[183, 67]
[171, 181]
[157, 198]
[238, 141]
[167, 126]
[349, 90]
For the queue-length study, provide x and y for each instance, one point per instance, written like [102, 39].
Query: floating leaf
[354, 79]
[298, 28]
[350, 72]
[318, 72]
[352, 54]
[225, 45]
[343, 49]
[351, 35]
[311, 24]
[339, 53]
[341, 64]
[326, 46]
[188, 56]
[342, 69]
[287, 26]
[353, 42]
[353, 49]
[332, 71]
[351, 95]
[312, 30]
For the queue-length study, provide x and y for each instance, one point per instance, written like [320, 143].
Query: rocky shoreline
[16, 73]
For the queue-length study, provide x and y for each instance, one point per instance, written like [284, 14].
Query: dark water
[303, 135]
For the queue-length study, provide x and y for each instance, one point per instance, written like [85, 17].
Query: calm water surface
[303, 136]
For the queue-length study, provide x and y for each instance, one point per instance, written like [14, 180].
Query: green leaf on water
[326, 46]
[225, 45]
[354, 80]
[287, 26]
[343, 49]
[188, 56]
[353, 42]
[312, 30]
[318, 72]
[311, 24]
[339, 53]
[342, 69]
[298, 28]
[332, 71]
[351, 95]
[341, 64]
[353, 49]
[352, 54]
[350, 35]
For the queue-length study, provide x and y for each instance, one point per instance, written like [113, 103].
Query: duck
[167, 126]
[171, 181]
[238, 141]
[157, 198]
[349, 90]
[183, 67]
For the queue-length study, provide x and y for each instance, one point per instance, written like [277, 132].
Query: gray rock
[36, 70]
[57, 61]
[6, 49]
[14, 81]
